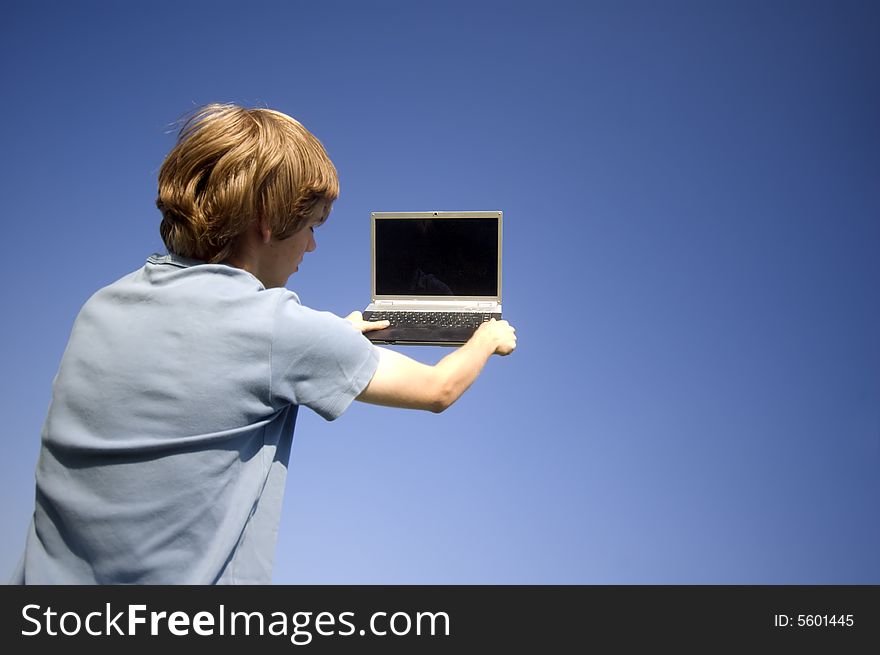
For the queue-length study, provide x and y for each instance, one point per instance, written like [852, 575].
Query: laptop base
[429, 335]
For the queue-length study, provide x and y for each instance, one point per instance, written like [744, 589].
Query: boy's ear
[265, 230]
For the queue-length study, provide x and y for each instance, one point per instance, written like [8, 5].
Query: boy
[165, 448]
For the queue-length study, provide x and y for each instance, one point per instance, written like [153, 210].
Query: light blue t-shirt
[164, 452]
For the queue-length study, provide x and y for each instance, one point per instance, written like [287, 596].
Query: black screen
[437, 257]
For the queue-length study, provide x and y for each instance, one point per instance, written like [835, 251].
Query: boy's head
[233, 166]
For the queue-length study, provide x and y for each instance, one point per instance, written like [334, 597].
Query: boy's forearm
[459, 369]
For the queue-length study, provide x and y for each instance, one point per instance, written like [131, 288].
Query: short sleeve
[318, 359]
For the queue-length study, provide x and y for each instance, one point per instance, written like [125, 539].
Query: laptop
[436, 276]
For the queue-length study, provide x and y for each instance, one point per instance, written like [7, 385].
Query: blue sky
[692, 222]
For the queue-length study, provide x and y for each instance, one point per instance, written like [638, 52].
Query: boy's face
[281, 258]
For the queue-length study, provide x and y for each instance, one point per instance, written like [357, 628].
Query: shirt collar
[174, 260]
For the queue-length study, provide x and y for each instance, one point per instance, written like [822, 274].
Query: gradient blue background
[692, 222]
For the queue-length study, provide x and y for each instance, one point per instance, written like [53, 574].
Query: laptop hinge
[437, 305]
[435, 302]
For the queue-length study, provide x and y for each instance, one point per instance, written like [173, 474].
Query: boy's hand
[357, 319]
[500, 333]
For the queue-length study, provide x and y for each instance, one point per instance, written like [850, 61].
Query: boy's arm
[400, 381]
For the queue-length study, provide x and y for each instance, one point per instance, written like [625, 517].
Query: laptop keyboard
[431, 319]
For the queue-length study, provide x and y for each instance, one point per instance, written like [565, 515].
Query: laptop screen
[436, 256]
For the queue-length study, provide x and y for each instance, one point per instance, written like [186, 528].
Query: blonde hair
[232, 165]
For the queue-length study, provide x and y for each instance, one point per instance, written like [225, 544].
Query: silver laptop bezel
[435, 300]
